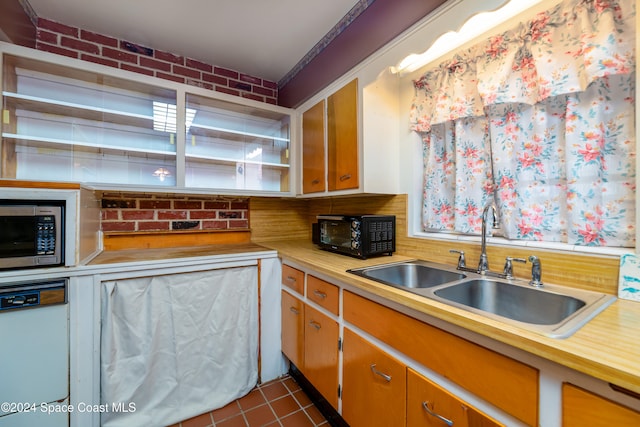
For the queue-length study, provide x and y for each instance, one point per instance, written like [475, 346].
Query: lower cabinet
[582, 408]
[374, 385]
[428, 404]
[293, 329]
[321, 335]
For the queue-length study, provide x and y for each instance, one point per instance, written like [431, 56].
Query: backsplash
[153, 212]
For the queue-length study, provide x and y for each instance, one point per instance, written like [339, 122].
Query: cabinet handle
[315, 182]
[383, 375]
[294, 310]
[447, 421]
[315, 325]
[345, 177]
[319, 294]
[291, 279]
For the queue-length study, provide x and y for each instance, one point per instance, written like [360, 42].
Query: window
[539, 119]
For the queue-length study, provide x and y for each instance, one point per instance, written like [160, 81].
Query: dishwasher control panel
[26, 295]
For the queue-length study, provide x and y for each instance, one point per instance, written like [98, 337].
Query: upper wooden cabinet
[342, 138]
[69, 120]
[313, 171]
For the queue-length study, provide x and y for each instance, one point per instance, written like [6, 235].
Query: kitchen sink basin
[556, 313]
[415, 274]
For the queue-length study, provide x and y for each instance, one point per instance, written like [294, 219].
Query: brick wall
[102, 49]
[144, 212]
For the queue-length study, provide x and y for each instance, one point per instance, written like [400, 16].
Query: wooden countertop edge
[573, 352]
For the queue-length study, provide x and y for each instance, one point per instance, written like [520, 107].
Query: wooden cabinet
[293, 278]
[323, 293]
[582, 408]
[431, 405]
[321, 335]
[313, 154]
[293, 329]
[374, 385]
[342, 138]
[506, 383]
[338, 115]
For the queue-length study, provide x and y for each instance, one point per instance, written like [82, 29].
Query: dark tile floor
[279, 403]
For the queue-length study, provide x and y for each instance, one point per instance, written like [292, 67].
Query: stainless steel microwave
[360, 236]
[31, 234]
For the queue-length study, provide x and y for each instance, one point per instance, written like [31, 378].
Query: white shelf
[234, 161]
[238, 133]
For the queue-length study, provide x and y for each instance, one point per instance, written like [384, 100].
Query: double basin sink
[554, 311]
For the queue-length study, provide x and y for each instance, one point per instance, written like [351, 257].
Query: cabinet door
[431, 405]
[293, 329]
[313, 172]
[582, 408]
[374, 385]
[342, 138]
[321, 353]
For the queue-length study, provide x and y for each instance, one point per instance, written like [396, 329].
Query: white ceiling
[263, 38]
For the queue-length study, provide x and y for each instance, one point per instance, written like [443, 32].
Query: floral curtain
[540, 119]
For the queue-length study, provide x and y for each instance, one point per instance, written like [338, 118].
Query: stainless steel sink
[415, 274]
[555, 311]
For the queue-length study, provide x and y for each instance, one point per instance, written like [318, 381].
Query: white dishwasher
[34, 354]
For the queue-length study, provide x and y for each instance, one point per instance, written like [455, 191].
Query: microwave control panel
[46, 235]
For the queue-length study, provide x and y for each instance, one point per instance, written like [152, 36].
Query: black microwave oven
[360, 236]
[31, 234]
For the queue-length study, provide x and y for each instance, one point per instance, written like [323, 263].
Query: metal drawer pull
[447, 421]
[315, 325]
[291, 278]
[345, 177]
[319, 294]
[375, 371]
[294, 310]
[315, 182]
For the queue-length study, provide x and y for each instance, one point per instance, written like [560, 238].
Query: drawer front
[293, 329]
[374, 385]
[583, 408]
[293, 278]
[428, 404]
[506, 383]
[323, 293]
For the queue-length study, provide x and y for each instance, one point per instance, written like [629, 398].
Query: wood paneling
[172, 239]
[278, 219]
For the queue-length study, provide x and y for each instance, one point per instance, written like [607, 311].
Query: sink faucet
[483, 265]
[536, 272]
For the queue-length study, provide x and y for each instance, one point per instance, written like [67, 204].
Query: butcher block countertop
[607, 347]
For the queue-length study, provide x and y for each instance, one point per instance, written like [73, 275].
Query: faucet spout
[483, 264]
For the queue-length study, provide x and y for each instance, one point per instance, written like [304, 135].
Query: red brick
[252, 96]
[240, 205]
[110, 214]
[172, 215]
[152, 63]
[215, 79]
[187, 204]
[169, 57]
[250, 79]
[238, 223]
[184, 71]
[119, 226]
[225, 72]
[198, 83]
[269, 84]
[170, 77]
[136, 48]
[192, 63]
[99, 60]
[216, 205]
[98, 38]
[137, 214]
[214, 225]
[227, 90]
[153, 225]
[273, 101]
[136, 69]
[262, 91]
[119, 55]
[56, 27]
[47, 36]
[57, 50]
[202, 214]
[79, 45]
[155, 204]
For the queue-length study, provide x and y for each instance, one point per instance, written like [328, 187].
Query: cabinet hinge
[339, 391]
[339, 344]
